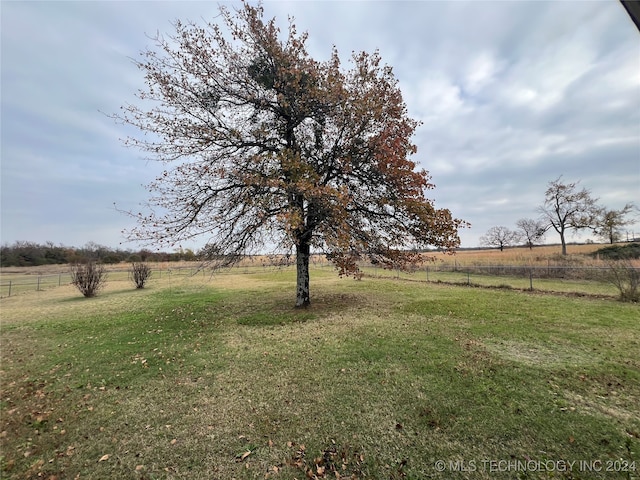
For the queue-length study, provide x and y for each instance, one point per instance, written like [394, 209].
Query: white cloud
[512, 94]
[483, 70]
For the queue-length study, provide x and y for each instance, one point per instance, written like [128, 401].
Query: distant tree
[183, 254]
[146, 255]
[610, 222]
[134, 258]
[53, 254]
[531, 230]
[277, 148]
[28, 254]
[6, 256]
[500, 237]
[89, 277]
[567, 208]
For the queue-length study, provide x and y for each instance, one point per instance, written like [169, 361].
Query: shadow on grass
[281, 310]
[262, 319]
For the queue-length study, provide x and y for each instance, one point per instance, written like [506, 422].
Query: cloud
[510, 95]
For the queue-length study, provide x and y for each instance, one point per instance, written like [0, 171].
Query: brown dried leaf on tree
[272, 147]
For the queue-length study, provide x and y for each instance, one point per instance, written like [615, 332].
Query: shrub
[88, 277]
[140, 273]
[626, 278]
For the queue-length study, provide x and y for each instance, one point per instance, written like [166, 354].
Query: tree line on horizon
[31, 254]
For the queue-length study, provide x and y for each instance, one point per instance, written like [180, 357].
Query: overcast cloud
[511, 95]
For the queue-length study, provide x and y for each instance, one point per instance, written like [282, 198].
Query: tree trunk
[303, 250]
[564, 243]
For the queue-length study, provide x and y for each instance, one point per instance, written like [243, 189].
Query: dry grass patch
[541, 355]
[523, 255]
[66, 302]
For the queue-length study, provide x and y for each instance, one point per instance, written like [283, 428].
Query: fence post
[38, 288]
[468, 277]
[427, 273]
[59, 279]
[9, 287]
[531, 279]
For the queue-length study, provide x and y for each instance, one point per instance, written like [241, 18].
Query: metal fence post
[38, 288]
[9, 287]
[531, 279]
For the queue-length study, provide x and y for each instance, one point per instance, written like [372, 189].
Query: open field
[542, 255]
[577, 273]
[218, 377]
[517, 255]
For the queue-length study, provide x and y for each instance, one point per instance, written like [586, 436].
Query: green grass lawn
[220, 378]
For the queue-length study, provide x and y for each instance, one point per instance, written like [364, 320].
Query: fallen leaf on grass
[242, 456]
[103, 458]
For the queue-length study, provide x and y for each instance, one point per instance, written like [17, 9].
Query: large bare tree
[567, 208]
[271, 147]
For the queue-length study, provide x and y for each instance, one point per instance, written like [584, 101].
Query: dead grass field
[538, 256]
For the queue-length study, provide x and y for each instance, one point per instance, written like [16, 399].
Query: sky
[511, 95]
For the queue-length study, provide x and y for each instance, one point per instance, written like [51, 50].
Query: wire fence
[12, 284]
[598, 281]
[550, 278]
[16, 284]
